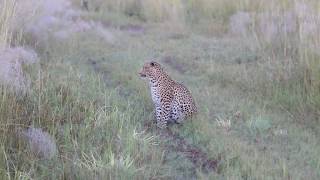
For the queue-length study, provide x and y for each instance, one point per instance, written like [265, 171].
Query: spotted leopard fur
[173, 101]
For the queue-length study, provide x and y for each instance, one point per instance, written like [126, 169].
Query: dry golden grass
[7, 12]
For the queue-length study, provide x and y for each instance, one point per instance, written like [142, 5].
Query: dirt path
[195, 154]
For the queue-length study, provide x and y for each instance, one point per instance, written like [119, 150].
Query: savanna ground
[252, 67]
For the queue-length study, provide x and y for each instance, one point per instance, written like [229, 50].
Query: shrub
[40, 143]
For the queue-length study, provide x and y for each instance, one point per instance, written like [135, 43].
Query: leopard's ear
[152, 63]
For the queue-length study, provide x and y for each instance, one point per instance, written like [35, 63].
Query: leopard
[173, 102]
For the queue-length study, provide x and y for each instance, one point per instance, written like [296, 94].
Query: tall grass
[278, 29]
[54, 128]
[96, 138]
[7, 12]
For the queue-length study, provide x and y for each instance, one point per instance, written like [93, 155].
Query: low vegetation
[72, 105]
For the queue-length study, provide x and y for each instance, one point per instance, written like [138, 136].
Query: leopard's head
[151, 70]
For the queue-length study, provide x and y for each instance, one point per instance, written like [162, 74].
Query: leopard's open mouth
[142, 75]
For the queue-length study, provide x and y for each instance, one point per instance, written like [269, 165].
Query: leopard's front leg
[163, 115]
[157, 112]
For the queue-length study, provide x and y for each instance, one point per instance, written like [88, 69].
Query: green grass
[87, 94]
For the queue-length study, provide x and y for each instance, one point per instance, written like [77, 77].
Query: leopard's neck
[159, 81]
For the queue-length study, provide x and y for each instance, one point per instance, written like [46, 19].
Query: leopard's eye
[152, 64]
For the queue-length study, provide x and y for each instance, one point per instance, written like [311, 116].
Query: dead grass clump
[50, 18]
[11, 67]
[239, 23]
[40, 143]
